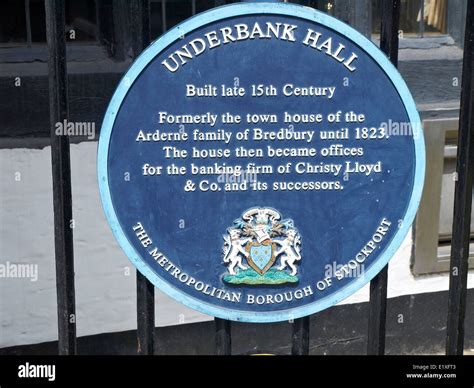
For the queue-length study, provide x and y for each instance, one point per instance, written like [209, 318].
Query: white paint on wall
[105, 279]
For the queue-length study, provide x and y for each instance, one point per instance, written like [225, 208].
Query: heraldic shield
[261, 255]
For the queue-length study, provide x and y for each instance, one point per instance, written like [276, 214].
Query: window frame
[429, 256]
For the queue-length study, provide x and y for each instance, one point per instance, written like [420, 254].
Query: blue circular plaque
[261, 162]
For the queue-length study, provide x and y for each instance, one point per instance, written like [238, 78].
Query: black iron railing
[63, 219]
[61, 168]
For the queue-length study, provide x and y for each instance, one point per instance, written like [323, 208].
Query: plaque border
[222, 13]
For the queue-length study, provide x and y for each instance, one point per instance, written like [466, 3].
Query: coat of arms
[255, 242]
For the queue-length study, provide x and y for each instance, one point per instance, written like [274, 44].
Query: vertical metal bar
[61, 170]
[377, 313]
[28, 23]
[193, 7]
[145, 316]
[422, 19]
[462, 198]
[223, 337]
[378, 285]
[140, 23]
[389, 29]
[300, 337]
[163, 15]
[98, 21]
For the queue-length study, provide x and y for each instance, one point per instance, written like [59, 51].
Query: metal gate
[62, 198]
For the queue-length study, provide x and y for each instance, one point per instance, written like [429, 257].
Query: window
[433, 228]
[327, 6]
[22, 22]
[418, 18]
[165, 14]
